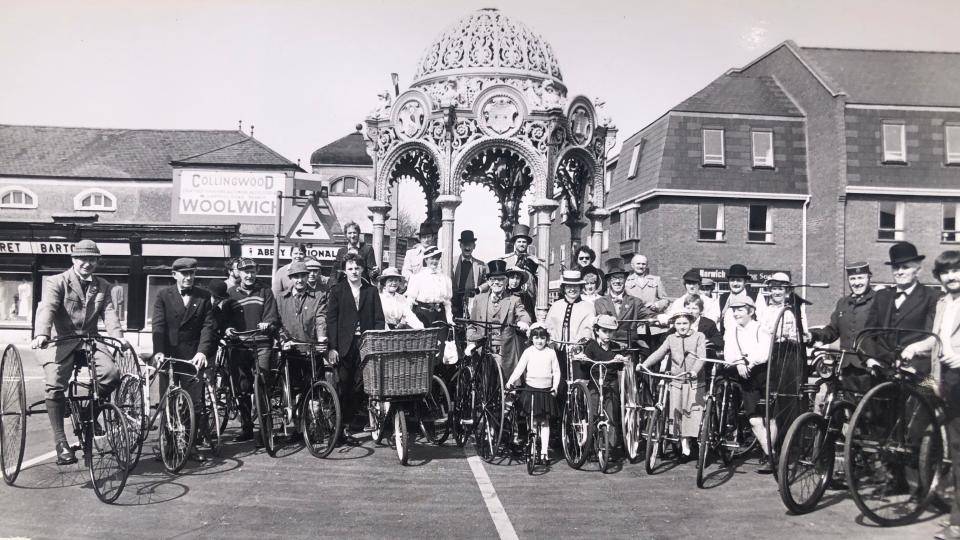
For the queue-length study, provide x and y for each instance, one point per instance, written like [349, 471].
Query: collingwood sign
[228, 196]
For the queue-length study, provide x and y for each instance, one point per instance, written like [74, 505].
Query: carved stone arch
[532, 158]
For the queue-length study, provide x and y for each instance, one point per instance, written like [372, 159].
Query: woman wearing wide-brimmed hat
[431, 290]
[570, 318]
[396, 308]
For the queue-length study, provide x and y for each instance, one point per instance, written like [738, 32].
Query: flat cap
[218, 289]
[244, 262]
[742, 301]
[313, 264]
[297, 267]
[86, 248]
[185, 264]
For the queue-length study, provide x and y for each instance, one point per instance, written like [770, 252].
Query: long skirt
[686, 404]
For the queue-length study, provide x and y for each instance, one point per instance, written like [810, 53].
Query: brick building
[801, 160]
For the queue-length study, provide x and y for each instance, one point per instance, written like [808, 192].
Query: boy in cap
[251, 307]
[73, 302]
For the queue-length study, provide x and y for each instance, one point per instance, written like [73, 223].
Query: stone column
[380, 210]
[448, 209]
[543, 207]
[597, 215]
[576, 230]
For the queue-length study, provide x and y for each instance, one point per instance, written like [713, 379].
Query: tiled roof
[741, 94]
[879, 77]
[66, 152]
[349, 150]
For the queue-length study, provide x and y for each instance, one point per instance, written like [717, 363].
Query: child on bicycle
[601, 349]
[682, 353]
[542, 370]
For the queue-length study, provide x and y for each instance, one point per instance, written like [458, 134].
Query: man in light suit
[72, 302]
[498, 306]
[353, 307]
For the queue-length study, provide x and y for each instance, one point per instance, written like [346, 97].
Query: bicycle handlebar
[664, 375]
[487, 324]
[106, 340]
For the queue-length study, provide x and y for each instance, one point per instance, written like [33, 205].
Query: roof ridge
[270, 150]
[234, 143]
[152, 130]
[912, 51]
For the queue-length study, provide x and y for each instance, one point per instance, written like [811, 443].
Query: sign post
[276, 234]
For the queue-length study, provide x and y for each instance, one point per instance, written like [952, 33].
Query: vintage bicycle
[660, 429]
[601, 427]
[577, 421]
[317, 410]
[521, 418]
[99, 426]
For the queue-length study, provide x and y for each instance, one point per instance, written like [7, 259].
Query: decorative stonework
[410, 114]
[535, 162]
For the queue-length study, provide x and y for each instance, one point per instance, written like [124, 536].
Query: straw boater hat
[571, 277]
[86, 248]
[778, 278]
[903, 252]
[390, 272]
[858, 268]
[432, 251]
[682, 313]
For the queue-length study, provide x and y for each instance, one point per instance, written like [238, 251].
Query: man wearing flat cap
[184, 327]
[315, 279]
[281, 280]
[73, 302]
[303, 317]
[908, 305]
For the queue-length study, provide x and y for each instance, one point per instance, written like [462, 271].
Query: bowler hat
[297, 267]
[692, 275]
[467, 236]
[903, 252]
[520, 231]
[857, 268]
[244, 262]
[427, 229]
[615, 266]
[496, 267]
[218, 289]
[86, 248]
[184, 264]
[737, 271]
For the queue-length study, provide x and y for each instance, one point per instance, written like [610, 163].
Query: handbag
[450, 355]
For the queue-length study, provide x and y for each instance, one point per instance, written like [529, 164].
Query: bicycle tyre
[705, 440]
[437, 406]
[129, 399]
[806, 463]
[177, 429]
[401, 435]
[108, 450]
[654, 442]
[602, 441]
[630, 425]
[462, 406]
[491, 400]
[483, 440]
[211, 419]
[265, 416]
[226, 401]
[532, 444]
[868, 454]
[379, 420]
[320, 419]
[577, 425]
[13, 416]
[786, 373]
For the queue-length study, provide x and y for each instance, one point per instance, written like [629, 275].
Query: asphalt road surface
[447, 492]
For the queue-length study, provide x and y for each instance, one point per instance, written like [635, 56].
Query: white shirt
[396, 310]
[947, 323]
[901, 298]
[751, 341]
[432, 287]
[541, 366]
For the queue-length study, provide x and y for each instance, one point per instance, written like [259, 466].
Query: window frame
[605, 239]
[630, 224]
[10, 190]
[768, 226]
[341, 181]
[635, 156]
[107, 196]
[762, 162]
[720, 226]
[898, 226]
[607, 181]
[948, 158]
[713, 160]
[950, 236]
[889, 157]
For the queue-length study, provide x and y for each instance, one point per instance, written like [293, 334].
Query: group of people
[620, 312]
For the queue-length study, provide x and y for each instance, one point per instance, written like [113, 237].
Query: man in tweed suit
[72, 303]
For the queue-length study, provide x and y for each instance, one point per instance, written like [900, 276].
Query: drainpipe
[803, 242]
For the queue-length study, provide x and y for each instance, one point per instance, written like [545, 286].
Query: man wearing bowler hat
[908, 305]
[184, 327]
[469, 273]
[73, 302]
[413, 259]
[498, 306]
[521, 256]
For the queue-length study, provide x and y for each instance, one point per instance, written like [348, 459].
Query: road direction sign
[308, 227]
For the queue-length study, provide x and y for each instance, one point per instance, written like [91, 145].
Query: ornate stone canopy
[488, 105]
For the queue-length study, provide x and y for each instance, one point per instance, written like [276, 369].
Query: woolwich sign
[226, 196]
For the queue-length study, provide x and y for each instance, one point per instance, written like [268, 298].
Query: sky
[304, 73]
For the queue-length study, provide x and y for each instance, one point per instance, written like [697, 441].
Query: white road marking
[497, 513]
[31, 462]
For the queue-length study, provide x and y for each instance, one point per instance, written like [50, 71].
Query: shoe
[257, 441]
[951, 532]
[369, 429]
[766, 467]
[65, 455]
[245, 435]
[198, 457]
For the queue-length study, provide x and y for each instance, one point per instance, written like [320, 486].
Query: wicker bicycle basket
[399, 363]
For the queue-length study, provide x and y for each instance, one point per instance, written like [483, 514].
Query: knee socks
[544, 437]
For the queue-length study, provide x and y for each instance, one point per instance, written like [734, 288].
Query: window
[760, 226]
[635, 158]
[563, 255]
[553, 257]
[711, 222]
[16, 299]
[890, 221]
[713, 147]
[95, 199]
[349, 185]
[949, 232]
[763, 149]
[605, 240]
[17, 197]
[607, 181]
[629, 225]
[953, 144]
[894, 143]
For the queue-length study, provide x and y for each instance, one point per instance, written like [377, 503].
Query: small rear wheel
[401, 437]
[806, 463]
[320, 419]
[177, 429]
[13, 414]
[108, 450]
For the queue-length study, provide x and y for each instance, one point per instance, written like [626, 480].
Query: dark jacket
[247, 309]
[849, 317]
[183, 331]
[370, 271]
[916, 313]
[344, 319]
[631, 309]
[303, 320]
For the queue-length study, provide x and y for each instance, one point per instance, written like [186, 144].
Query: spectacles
[584, 258]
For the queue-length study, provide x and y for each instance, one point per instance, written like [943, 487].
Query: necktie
[186, 292]
[901, 298]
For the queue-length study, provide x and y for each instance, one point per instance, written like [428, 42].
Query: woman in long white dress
[396, 307]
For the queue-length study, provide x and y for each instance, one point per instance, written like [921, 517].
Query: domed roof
[349, 150]
[488, 42]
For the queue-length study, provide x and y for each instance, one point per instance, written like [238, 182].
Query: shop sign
[15, 247]
[265, 251]
[230, 196]
[756, 276]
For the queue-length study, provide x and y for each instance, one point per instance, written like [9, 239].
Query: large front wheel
[177, 429]
[576, 425]
[107, 439]
[13, 414]
[884, 457]
[320, 419]
[806, 463]
[462, 417]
